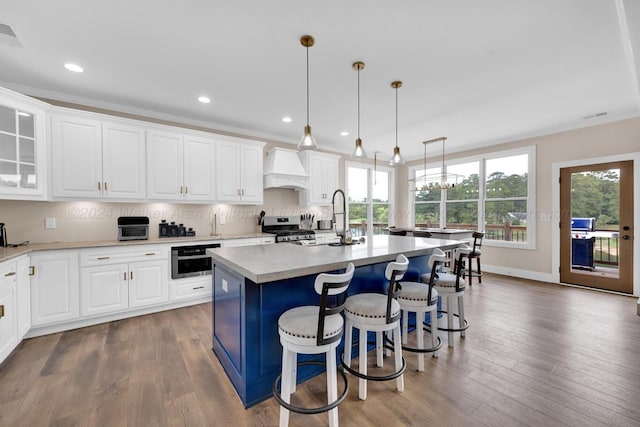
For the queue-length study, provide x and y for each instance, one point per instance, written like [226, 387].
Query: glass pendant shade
[308, 141]
[396, 159]
[359, 152]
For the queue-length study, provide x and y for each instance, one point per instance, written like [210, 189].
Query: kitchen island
[254, 285]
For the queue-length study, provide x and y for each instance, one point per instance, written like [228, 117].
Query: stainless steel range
[287, 229]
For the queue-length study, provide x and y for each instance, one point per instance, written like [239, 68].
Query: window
[369, 198]
[495, 193]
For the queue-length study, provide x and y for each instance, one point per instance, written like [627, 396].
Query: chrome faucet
[343, 236]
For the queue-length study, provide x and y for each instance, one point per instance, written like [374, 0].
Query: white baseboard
[522, 274]
[37, 331]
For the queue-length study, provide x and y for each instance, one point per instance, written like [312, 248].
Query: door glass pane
[467, 182]
[427, 215]
[8, 174]
[380, 218]
[506, 220]
[27, 176]
[27, 150]
[462, 215]
[507, 176]
[25, 124]
[7, 147]
[7, 119]
[595, 195]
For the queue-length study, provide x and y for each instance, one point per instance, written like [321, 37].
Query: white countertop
[11, 252]
[268, 263]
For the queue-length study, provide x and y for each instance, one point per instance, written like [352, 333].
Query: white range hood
[283, 169]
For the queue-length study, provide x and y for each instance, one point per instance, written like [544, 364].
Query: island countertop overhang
[269, 263]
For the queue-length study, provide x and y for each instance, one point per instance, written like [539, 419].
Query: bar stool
[420, 299]
[314, 330]
[452, 286]
[378, 313]
[474, 253]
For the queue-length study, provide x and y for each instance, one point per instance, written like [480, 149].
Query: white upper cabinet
[22, 146]
[323, 177]
[180, 167]
[97, 160]
[239, 172]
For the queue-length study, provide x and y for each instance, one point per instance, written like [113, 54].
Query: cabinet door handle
[32, 270]
[105, 186]
[99, 186]
[131, 275]
[125, 276]
[150, 253]
[242, 192]
[181, 187]
[186, 189]
[101, 258]
[198, 287]
[9, 274]
[1, 311]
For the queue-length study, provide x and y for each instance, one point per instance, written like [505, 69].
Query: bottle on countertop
[182, 231]
[163, 228]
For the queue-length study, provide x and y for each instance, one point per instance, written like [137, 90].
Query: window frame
[392, 185]
[532, 216]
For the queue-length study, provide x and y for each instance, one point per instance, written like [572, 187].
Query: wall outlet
[49, 223]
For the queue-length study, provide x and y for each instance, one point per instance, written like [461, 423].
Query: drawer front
[92, 257]
[184, 289]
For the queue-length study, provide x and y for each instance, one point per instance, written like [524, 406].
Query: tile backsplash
[88, 221]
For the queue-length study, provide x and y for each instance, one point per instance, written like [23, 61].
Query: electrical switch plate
[49, 223]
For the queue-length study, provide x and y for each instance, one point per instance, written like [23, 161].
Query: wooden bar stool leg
[479, 270]
[470, 262]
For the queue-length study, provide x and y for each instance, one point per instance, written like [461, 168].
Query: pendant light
[396, 159]
[307, 142]
[358, 152]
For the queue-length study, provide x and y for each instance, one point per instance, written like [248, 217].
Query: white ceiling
[478, 72]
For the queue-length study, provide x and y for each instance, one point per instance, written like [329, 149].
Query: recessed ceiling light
[287, 119]
[204, 99]
[73, 67]
[344, 133]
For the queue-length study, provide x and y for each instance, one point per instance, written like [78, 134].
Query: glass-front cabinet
[22, 146]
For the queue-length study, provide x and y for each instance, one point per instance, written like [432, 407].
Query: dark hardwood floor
[535, 355]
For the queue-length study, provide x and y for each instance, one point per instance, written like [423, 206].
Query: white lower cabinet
[117, 279]
[8, 309]
[55, 287]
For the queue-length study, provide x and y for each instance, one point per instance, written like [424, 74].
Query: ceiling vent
[8, 37]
